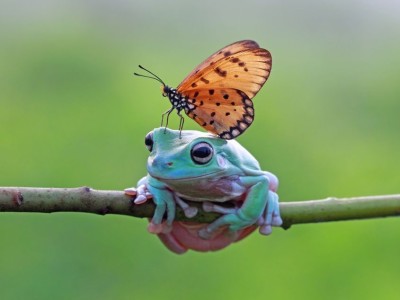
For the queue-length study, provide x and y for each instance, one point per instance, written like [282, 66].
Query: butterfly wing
[226, 112]
[242, 66]
[222, 53]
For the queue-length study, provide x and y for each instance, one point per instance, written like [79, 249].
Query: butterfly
[217, 93]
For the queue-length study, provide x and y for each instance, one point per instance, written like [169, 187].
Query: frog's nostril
[169, 164]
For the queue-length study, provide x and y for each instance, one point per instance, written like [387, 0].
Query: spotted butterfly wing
[226, 112]
[219, 90]
[217, 93]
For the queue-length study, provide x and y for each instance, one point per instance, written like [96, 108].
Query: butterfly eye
[164, 90]
[148, 141]
[201, 153]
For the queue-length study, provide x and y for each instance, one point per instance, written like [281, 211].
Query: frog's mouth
[185, 177]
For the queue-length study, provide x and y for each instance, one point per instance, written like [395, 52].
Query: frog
[192, 166]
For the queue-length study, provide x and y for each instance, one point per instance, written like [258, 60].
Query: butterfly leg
[181, 122]
[167, 113]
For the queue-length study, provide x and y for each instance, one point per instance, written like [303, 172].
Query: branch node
[17, 198]
[86, 189]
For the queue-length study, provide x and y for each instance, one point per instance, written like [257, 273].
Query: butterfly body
[178, 101]
[217, 94]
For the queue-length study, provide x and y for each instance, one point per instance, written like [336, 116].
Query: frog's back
[239, 156]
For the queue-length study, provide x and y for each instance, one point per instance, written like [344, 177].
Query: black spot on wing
[220, 72]
[206, 81]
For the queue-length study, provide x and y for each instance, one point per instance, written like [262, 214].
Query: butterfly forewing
[222, 53]
[246, 71]
[226, 112]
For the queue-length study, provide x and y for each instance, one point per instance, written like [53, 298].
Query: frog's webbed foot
[271, 215]
[163, 227]
[189, 211]
[244, 216]
[238, 218]
[141, 194]
[229, 218]
[232, 220]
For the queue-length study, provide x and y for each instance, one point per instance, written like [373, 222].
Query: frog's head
[192, 155]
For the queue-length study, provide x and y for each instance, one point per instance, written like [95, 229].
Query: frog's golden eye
[201, 153]
[148, 141]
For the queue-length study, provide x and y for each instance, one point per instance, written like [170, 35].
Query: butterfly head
[166, 90]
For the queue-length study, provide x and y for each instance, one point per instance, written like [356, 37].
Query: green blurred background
[71, 114]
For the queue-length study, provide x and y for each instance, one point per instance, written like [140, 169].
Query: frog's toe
[205, 234]
[277, 220]
[269, 219]
[208, 206]
[154, 228]
[260, 221]
[140, 199]
[265, 229]
[130, 192]
[190, 211]
[159, 228]
[140, 193]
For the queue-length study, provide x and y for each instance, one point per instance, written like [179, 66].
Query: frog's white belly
[206, 189]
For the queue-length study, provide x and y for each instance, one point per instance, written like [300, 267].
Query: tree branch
[87, 200]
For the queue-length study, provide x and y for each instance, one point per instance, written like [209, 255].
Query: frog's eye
[148, 141]
[201, 153]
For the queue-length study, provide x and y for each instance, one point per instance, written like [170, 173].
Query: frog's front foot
[271, 216]
[140, 194]
[237, 219]
[159, 228]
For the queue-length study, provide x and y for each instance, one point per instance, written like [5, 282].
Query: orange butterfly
[217, 93]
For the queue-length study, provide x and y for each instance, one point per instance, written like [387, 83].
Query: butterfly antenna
[155, 76]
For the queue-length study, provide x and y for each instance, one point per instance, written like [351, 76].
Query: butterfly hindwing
[226, 112]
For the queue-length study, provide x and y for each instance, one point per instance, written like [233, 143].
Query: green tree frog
[197, 166]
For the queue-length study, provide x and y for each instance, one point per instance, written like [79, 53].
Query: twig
[87, 200]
